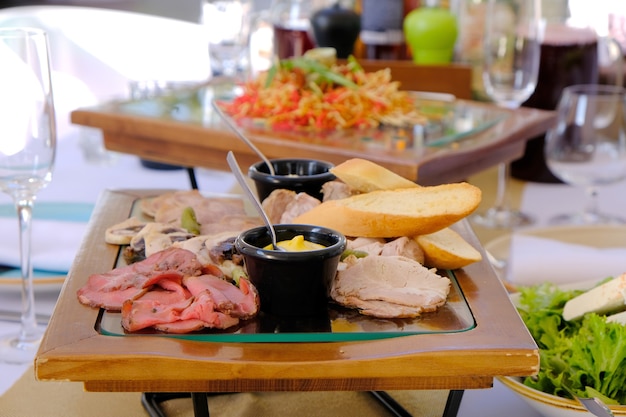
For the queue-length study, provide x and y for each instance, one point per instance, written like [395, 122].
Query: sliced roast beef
[180, 326]
[169, 311]
[109, 290]
[204, 308]
[142, 313]
[241, 302]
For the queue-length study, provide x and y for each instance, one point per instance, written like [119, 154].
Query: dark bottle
[568, 56]
[336, 27]
[381, 29]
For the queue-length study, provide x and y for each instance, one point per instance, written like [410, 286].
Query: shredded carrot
[292, 100]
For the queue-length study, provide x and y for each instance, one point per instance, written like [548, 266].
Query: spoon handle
[596, 407]
[234, 167]
[243, 137]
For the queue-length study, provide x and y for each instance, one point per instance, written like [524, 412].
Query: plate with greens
[585, 357]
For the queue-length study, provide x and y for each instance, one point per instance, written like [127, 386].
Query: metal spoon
[234, 167]
[595, 406]
[243, 137]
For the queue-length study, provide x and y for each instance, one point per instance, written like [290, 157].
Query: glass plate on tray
[448, 120]
[340, 324]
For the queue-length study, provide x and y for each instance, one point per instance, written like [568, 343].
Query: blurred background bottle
[293, 35]
[381, 29]
[338, 26]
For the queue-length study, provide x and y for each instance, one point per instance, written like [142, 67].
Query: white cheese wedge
[608, 297]
[617, 318]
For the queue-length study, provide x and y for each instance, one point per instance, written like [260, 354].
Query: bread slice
[394, 213]
[365, 176]
[446, 249]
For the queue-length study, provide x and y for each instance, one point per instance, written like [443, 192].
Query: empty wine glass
[587, 146]
[512, 49]
[27, 152]
[228, 24]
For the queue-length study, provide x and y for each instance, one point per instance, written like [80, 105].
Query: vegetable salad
[585, 357]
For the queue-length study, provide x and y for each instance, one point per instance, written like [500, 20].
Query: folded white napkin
[533, 260]
[54, 243]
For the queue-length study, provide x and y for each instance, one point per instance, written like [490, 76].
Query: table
[540, 200]
[169, 130]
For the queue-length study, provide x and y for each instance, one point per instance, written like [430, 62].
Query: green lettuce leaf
[584, 357]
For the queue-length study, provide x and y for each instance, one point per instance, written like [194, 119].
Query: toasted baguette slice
[446, 249]
[393, 213]
[606, 298]
[365, 176]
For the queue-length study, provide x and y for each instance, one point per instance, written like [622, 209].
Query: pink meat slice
[211, 284]
[181, 326]
[143, 313]
[203, 308]
[166, 292]
[241, 302]
[109, 290]
[163, 309]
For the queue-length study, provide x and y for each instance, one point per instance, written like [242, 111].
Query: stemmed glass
[512, 48]
[27, 152]
[587, 146]
[228, 24]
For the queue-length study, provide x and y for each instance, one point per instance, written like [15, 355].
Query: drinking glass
[587, 146]
[512, 50]
[228, 26]
[27, 152]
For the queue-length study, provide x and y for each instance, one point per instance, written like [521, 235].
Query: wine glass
[27, 152]
[512, 49]
[228, 24]
[587, 146]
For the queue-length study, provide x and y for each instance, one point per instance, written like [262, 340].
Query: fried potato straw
[296, 99]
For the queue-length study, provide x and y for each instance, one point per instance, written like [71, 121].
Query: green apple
[431, 33]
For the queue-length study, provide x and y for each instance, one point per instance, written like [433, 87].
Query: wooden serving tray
[74, 350]
[183, 129]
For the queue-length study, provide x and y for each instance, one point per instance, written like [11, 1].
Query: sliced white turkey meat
[389, 287]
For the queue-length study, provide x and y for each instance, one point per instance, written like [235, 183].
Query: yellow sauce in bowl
[297, 244]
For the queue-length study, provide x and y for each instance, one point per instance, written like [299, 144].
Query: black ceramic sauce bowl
[292, 284]
[299, 175]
